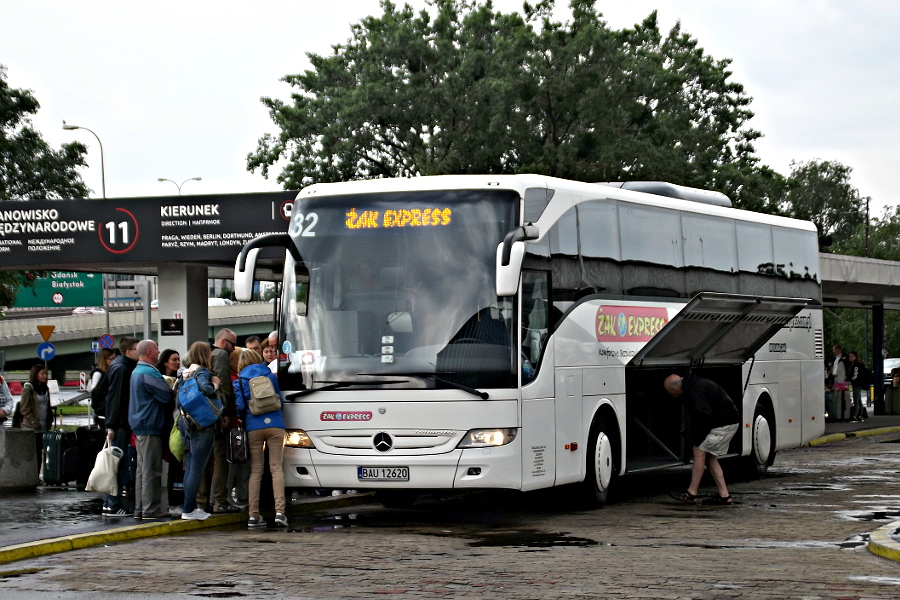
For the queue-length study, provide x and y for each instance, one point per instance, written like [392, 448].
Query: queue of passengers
[139, 393]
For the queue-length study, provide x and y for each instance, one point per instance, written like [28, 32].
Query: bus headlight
[484, 438]
[297, 438]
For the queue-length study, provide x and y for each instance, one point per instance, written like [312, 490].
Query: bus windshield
[397, 291]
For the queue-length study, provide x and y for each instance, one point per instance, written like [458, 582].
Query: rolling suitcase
[56, 470]
[88, 443]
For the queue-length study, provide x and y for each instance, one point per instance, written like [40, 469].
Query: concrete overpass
[73, 334]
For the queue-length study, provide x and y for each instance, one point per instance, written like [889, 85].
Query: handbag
[176, 442]
[238, 451]
[196, 406]
[841, 386]
[104, 476]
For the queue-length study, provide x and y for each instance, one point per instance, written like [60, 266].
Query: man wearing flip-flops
[714, 421]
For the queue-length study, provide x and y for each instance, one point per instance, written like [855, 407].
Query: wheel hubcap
[762, 439]
[603, 462]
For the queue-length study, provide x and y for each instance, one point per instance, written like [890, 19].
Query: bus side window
[536, 315]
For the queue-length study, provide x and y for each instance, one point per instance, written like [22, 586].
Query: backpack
[196, 407]
[263, 398]
[98, 395]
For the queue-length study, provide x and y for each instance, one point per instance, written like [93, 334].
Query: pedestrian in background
[99, 385]
[264, 431]
[860, 378]
[714, 421]
[118, 432]
[198, 441]
[6, 408]
[169, 366]
[238, 473]
[270, 355]
[34, 407]
[223, 347]
[151, 401]
[840, 371]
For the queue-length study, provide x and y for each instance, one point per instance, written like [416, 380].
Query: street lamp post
[177, 184]
[102, 167]
[67, 127]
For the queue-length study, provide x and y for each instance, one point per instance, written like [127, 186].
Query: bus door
[712, 336]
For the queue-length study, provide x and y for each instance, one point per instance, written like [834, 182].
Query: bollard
[20, 469]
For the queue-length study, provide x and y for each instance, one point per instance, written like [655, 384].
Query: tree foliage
[30, 168]
[461, 88]
[820, 191]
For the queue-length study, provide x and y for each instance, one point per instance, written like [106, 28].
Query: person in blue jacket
[263, 431]
[151, 400]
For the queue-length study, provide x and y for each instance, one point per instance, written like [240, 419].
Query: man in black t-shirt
[714, 421]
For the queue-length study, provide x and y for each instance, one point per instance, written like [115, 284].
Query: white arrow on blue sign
[46, 351]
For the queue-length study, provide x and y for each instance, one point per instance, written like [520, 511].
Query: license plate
[382, 473]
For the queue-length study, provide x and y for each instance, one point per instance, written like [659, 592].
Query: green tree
[461, 88]
[820, 191]
[30, 169]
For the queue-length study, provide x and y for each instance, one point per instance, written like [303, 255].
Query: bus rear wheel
[762, 443]
[600, 467]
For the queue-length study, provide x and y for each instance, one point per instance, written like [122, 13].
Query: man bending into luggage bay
[714, 421]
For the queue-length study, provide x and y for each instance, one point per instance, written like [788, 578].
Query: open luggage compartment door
[719, 329]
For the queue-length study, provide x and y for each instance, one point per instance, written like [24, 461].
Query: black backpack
[98, 395]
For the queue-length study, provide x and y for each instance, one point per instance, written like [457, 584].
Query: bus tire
[600, 466]
[396, 498]
[762, 443]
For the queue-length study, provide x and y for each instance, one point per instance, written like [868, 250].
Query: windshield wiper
[453, 384]
[334, 385]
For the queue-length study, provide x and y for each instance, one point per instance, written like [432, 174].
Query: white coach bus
[473, 332]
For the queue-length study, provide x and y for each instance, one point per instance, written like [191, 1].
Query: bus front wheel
[762, 443]
[600, 467]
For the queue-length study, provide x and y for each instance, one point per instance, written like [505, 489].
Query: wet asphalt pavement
[50, 512]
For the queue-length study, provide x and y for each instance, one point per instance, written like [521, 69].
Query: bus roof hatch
[719, 329]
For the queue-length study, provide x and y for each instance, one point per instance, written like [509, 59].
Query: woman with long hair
[34, 405]
[35, 402]
[99, 385]
[169, 364]
[263, 431]
[198, 441]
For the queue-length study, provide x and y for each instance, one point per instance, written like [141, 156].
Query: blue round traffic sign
[46, 351]
[106, 341]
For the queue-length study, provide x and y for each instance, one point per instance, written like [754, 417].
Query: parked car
[889, 365]
[218, 302]
[89, 310]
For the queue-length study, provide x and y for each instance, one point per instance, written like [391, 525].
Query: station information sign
[209, 228]
[62, 289]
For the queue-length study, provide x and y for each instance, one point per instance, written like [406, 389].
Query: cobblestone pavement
[799, 533]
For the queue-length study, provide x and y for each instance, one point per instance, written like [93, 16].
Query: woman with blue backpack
[258, 401]
[197, 386]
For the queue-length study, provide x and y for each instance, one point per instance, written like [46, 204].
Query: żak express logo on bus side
[629, 323]
[345, 416]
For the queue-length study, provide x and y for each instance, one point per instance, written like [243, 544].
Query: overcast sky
[172, 88]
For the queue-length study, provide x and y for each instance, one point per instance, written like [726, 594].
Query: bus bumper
[472, 468]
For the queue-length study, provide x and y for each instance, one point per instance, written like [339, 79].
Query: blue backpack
[196, 406]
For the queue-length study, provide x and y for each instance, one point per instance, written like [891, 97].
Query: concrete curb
[128, 533]
[882, 543]
[836, 437]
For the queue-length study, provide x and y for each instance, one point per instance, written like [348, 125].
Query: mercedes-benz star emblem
[382, 442]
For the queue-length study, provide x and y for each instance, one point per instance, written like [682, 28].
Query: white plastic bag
[104, 477]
